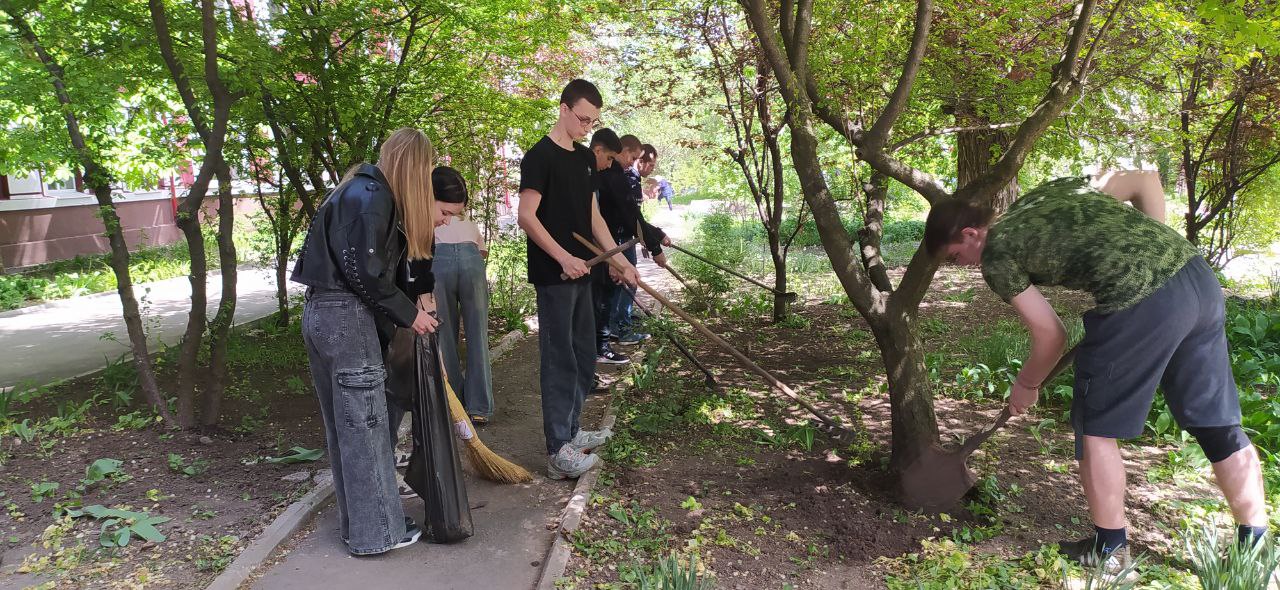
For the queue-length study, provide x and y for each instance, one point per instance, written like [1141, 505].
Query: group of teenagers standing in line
[388, 250]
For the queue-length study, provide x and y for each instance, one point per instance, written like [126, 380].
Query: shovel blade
[936, 481]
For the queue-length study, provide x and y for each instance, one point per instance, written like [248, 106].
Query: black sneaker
[633, 338]
[402, 460]
[598, 385]
[406, 492]
[609, 357]
[1115, 563]
[411, 534]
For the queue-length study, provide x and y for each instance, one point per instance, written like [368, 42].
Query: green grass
[88, 274]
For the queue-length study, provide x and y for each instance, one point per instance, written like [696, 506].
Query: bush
[512, 297]
[909, 230]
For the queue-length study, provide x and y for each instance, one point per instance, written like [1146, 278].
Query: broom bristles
[487, 463]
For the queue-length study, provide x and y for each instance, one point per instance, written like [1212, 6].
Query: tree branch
[878, 136]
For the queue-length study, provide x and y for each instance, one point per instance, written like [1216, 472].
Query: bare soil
[764, 514]
[236, 492]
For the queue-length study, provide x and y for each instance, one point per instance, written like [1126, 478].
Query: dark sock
[1249, 535]
[1108, 540]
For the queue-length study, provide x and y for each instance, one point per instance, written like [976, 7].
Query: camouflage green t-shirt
[1064, 232]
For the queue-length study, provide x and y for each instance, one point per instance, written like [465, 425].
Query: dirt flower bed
[747, 484]
[103, 496]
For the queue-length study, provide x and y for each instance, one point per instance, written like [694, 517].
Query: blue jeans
[622, 297]
[567, 357]
[349, 375]
[463, 294]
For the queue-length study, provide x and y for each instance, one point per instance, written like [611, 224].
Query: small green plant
[214, 555]
[23, 430]
[672, 573]
[297, 455]
[120, 526]
[1232, 567]
[295, 385]
[1100, 577]
[102, 469]
[42, 490]
[179, 464]
[691, 503]
[136, 420]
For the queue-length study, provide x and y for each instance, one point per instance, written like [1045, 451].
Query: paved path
[53, 341]
[513, 523]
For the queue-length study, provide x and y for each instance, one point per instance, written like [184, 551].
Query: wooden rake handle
[742, 358]
[602, 256]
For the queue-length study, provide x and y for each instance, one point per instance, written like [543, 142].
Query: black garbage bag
[435, 472]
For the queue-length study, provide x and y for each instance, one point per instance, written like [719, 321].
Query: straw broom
[488, 464]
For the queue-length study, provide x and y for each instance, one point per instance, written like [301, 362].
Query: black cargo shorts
[1174, 338]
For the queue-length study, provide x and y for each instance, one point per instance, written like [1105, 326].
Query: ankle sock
[1107, 540]
[1249, 535]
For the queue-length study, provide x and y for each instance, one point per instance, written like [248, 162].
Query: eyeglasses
[587, 121]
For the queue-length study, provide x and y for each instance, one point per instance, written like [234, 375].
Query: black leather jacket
[356, 243]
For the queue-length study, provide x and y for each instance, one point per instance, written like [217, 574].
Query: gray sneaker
[1114, 565]
[590, 440]
[570, 463]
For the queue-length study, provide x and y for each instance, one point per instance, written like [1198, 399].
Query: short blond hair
[406, 159]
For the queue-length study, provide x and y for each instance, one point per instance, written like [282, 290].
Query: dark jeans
[567, 357]
[349, 375]
[462, 293]
[620, 307]
[613, 303]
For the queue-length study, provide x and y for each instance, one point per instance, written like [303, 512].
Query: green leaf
[298, 455]
[148, 532]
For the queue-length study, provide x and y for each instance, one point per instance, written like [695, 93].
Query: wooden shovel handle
[742, 358]
[972, 443]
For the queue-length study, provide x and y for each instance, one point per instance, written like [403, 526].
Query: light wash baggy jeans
[346, 366]
[463, 293]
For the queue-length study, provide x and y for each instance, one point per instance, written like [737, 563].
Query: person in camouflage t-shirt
[1159, 320]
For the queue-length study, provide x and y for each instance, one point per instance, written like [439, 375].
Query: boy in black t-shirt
[557, 199]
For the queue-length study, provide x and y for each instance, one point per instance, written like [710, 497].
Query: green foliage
[119, 526]
[947, 565]
[512, 299]
[674, 573]
[100, 470]
[1230, 567]
[214, 555]
[42, 490]
[298, 455]
[88, 274]
[182, 466]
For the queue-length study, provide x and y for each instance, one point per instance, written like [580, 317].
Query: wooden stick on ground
[742, 358]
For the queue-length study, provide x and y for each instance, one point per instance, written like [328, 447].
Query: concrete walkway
[515, 525]
[61, 339]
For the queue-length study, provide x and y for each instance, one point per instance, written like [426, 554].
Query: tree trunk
[779, 257]
[220, 328]
[282, 281]
[914, 424]
[872, 232]
[124, 287]
[197, 316]
[977, 151]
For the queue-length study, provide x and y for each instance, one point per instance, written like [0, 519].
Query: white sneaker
[570, 463]
[590, 440]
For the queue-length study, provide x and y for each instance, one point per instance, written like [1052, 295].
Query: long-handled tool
[710, 379]
[838, 428]
[601, 256]
[939, 478]
[789, 295]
